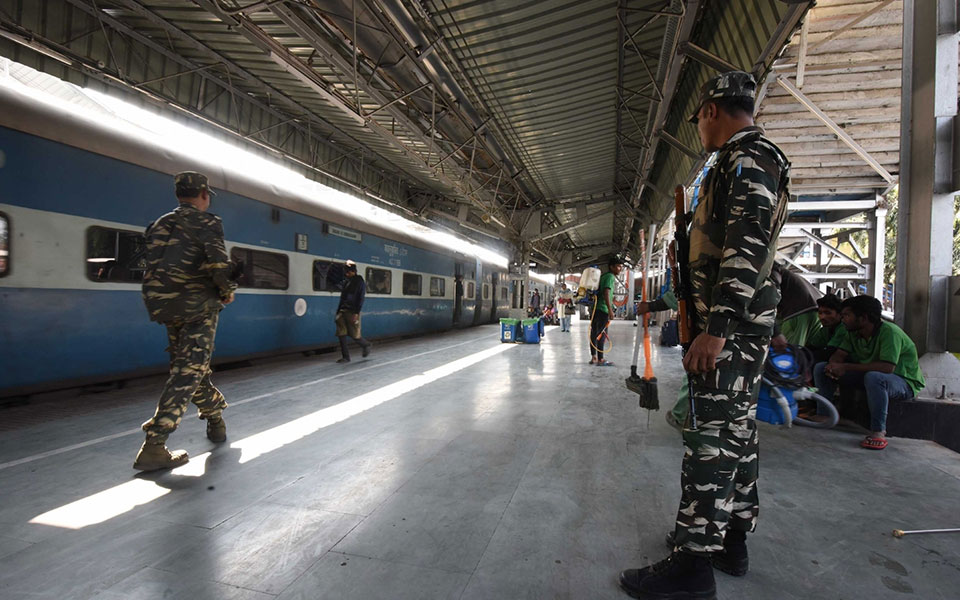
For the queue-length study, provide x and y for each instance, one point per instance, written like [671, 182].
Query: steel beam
[705, 57]
[822, 243]
[832, 205]
[877, 258]
[827, 225]
[571, 226]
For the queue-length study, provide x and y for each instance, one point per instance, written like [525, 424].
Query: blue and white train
[75, 197]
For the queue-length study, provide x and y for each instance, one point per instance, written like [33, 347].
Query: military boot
[680, 576]
[733, 559]
[216, 430]
[156, 456]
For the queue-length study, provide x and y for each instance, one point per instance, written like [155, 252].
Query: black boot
[733, 559]
[680, 576]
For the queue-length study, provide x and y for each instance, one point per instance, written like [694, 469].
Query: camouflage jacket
[188, 269]
[733, 237]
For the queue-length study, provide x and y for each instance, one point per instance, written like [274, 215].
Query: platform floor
[450, 467]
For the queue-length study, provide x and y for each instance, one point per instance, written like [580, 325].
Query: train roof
[23, 112]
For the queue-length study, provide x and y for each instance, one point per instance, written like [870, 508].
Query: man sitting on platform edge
[875, 356]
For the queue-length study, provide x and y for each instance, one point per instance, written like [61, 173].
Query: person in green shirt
[828, 337]
[601, 313]
[876, 356]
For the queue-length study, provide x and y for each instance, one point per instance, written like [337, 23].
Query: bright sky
[198, 144]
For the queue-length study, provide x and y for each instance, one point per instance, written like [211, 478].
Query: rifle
[681, 266]
[681, 270]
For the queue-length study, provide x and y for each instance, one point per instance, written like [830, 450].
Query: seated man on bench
[875, 356]
[825, 340]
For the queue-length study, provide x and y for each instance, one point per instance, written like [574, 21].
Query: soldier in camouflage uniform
[186, 284]
[733, 238]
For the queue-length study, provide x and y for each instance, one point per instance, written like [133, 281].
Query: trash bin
[531, 331]
[540, 326]
[509, 330]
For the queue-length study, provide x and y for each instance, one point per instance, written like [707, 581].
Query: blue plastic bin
[509, 330]
[531, 331]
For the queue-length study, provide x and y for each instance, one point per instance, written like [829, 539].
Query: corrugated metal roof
[475, 114]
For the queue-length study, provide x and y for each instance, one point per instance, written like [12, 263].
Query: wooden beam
[802, 58]
[851, 24]
[832, 126]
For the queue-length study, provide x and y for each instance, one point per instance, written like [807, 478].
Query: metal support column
[925, 236]
[877, 259]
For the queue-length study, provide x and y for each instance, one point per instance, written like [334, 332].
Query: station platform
[444, 467]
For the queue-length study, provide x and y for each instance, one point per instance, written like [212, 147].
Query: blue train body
[61, 176]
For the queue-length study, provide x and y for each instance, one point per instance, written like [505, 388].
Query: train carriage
[75, 198]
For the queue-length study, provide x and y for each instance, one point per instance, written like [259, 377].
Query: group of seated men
[853, 348]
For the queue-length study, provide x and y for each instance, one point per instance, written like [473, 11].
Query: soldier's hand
[356, 318]
[643, 308]
[228, 299]
[703, 352]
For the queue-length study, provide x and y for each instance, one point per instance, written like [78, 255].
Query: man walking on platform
[602, 311]
[348, 312]
[186, 284]
[566, 307]
[733, 301]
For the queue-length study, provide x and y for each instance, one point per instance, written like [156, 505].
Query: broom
[646, 386]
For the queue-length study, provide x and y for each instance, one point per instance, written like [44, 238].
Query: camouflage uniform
[733, 237]
[186, 280]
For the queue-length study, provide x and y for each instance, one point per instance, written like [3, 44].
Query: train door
[479, 300]
[494, 288]
[457, 293]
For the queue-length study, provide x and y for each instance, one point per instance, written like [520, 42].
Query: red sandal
[872, 443]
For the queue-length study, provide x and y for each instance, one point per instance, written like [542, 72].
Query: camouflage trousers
[190, 348]
[720, 462]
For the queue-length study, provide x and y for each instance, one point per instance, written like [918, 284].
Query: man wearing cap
[348, 312]
[185, 285]
[733, 238]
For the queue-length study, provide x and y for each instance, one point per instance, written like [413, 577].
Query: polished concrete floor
[445, 467]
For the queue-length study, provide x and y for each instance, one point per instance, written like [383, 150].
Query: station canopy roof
[556, 126]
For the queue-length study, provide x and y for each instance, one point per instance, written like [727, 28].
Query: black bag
[669, 333]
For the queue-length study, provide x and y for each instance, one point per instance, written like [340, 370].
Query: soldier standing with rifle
[731, 305]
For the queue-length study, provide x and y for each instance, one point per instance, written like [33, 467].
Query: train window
[262, 270]
[504, 294]
[486, 291]
[470, 290]
[412, 284]
[4, 244]
[327, 276]
[438, 286]
[379, 281]
[115, 255]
